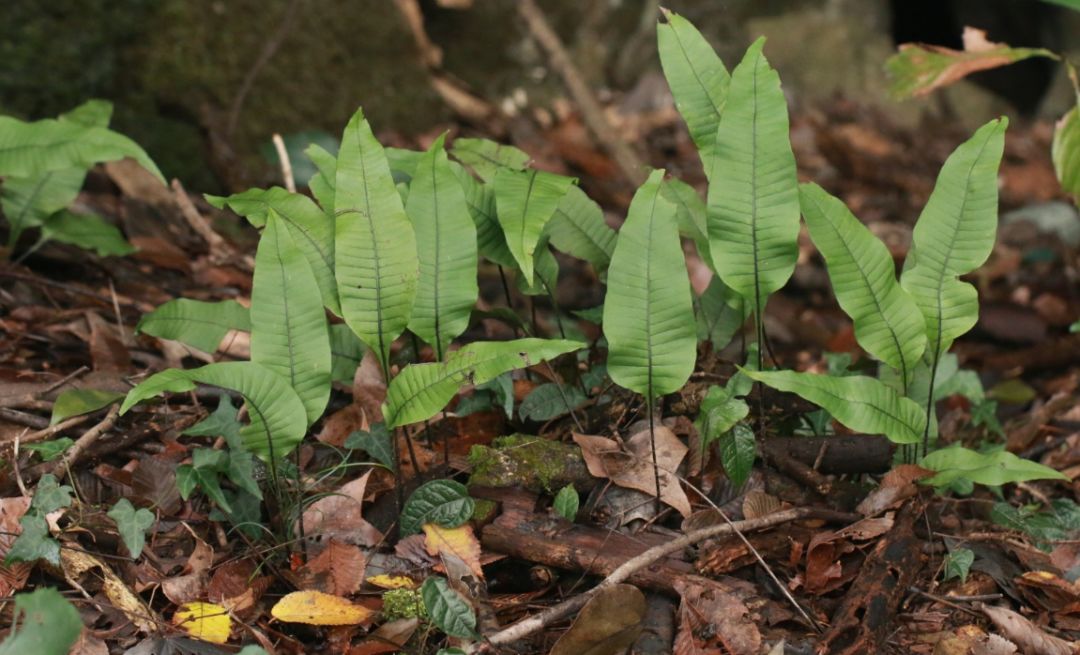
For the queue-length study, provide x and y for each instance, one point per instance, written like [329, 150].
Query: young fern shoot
[953, 236]
[648, 312]
[753, 201]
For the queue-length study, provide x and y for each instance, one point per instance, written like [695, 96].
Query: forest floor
[839, 555]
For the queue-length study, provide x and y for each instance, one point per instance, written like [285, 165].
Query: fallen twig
[71, 455]
[547, 617]
[591, 111]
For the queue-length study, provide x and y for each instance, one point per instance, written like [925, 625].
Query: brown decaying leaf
[191, 584]
[12, 577]
[1029, 637]
[235, 585]
[633, 467]
[713, 620]
[389, 638]
[758, 503]
[827, 567]
[340, 516]
[107, 349]
[337, 570]
[608, 623]
[896, 486]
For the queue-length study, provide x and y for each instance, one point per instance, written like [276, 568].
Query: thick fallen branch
[639, 563]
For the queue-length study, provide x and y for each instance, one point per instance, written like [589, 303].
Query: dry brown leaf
[633, 467]
[758, 503]
[191, 583]
[459, 542]
[337, 570]
[713, 620]
[12, 576]
[608, 623]
[389, 638]
[88, 644]
[340, 516]
[994, 645]
[1029, 637]
[897, 485]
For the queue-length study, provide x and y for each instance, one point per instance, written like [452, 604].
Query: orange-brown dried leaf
[713, 620]
[337, 570]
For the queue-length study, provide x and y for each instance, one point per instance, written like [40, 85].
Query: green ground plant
[391, 243]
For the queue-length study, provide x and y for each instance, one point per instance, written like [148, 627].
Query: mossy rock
[530, 462]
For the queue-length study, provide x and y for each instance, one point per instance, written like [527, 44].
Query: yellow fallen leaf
[392, 582]
[459, 541]
[205, 621]
[317, 608]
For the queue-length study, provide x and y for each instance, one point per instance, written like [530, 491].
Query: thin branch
[556, 612]
[286, 163]
[591, 111]
[269, 49]
[88, 439]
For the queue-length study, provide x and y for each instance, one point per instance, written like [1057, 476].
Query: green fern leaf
[649, 311]
[422, 390]
[954, 236]
[288, 324]
[888, 324]
[446, 244]
[861, 403]
[698, 79]
[199, 324]
[753, 204]
[322, 184]
[377, 265]
[578, 229]
[490, 240]
[277, 415]
[526, 201]
[311, 228]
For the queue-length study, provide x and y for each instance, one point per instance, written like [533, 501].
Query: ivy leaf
[737, 453]
[132, 524]
[34, 542]
[221, 423]
[47, 624]
[958, 563]
[443, 502]
[376, 443]
[74, 402]
[447, 609]
[567, 502]
[50, 495]
[549, 401]
[50, 450]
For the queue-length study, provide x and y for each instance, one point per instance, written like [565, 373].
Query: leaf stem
[649, 402]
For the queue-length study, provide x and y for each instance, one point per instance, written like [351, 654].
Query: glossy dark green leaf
[447, 609]
[443, 502]
[738, 449]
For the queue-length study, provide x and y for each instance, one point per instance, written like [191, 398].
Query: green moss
[535, 463]
[403, 604]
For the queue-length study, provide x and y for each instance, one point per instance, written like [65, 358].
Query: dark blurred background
[202, 84]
